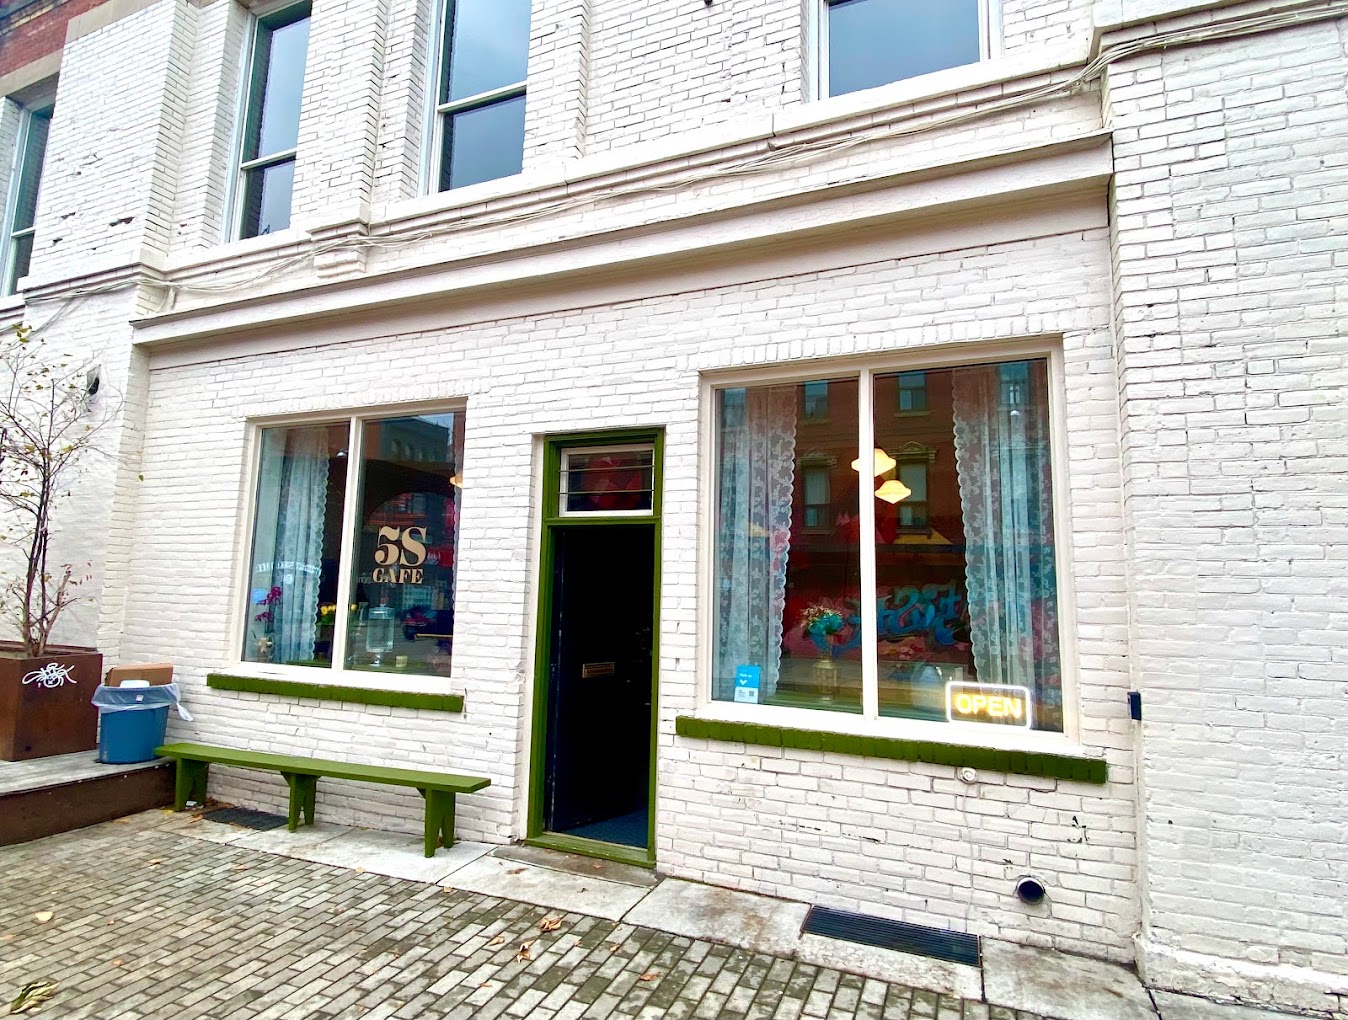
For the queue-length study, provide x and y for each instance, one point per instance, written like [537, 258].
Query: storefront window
[398, 584]
[965, 602]
[788, 578]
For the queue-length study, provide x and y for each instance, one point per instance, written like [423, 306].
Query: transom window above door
[479, 108]
[867, 43]
[361, 514]
[614, 481]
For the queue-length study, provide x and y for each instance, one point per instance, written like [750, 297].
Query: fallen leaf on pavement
[155, 863]
[43, 916]
[515, 871]
[239, 867]
[32, 995]
[614, 946]
[498, 941]
[550, 924]
[118, 963]
[523, 954]
[650, 975]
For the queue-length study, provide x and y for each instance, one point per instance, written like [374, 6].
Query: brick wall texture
[1169, 227]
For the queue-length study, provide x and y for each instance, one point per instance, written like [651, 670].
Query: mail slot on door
[594, 669]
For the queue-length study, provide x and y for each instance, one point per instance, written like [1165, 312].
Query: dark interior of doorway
[598, 758]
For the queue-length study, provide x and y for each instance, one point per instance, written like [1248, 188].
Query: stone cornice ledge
[1119, 20]
[1010, 180]
[662, 163]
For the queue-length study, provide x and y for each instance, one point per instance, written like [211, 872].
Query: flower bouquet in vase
[820, 623]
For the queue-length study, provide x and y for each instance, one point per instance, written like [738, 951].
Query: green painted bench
[302, 774]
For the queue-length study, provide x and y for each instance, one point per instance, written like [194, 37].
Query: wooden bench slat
[324, 767]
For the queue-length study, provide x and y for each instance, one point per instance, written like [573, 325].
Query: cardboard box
[156, 673]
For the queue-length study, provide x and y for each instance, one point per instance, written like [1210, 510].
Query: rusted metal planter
[45, 705]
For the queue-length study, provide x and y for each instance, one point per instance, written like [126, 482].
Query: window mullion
[870, 684]
[345, 564]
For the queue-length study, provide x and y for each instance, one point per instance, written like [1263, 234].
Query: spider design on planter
[51, 675]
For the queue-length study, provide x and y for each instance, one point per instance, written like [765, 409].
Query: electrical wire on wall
[780, 155]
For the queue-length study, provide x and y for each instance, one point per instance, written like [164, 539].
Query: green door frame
[552, 519]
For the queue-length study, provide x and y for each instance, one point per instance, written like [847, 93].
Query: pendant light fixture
[882, 462]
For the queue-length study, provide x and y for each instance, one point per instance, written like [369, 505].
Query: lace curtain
[1002, 455]
[288, 556]
[753, 533]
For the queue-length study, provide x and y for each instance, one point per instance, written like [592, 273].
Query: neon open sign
[1000, 704]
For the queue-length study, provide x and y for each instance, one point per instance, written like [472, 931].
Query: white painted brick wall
[1230, 192]
[790, 823]
[109, 182]
[1207, 446]
[210, 148]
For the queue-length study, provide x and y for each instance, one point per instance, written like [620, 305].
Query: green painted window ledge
[337, 692]
[1027, 763]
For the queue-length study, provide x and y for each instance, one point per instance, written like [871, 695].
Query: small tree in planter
[47, 425]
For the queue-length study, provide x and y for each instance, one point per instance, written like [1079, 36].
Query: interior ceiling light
[456, 479]
[883, 462]
[893, 490]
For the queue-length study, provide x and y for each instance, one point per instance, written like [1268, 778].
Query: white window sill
[354, 679]
[974, 735]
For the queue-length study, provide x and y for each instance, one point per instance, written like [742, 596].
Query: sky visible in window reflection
[874, 42]
[485, 143]
[489, 46]
[285, 80]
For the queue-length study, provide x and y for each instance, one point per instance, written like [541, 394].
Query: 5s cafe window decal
[398, 586]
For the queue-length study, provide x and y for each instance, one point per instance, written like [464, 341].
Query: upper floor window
[25, 181]
[479, 110]
[866, 43]
[272, 121]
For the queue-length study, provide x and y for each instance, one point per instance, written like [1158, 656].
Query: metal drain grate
[243, 816]
[887, 934]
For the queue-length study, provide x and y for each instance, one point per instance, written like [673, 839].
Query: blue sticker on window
[747, 680]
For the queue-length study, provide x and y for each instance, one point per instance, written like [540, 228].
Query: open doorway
[595, 683]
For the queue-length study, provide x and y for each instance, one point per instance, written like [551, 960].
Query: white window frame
[564, 471]
[234, 210]
[9, 288]
[989, 27]
[869, 722]
[438, 113]
[337, 672]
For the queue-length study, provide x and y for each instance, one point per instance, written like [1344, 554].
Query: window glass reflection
[402, 613]
[286, 49]
[788, 590]
[965, 565]
[874, 42]
[297, 539]
[267, 197]
[487, 48]
[483, 144]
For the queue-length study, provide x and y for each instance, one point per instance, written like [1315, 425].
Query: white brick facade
[1166, 222]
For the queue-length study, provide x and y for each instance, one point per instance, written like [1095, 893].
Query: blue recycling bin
[131, 721]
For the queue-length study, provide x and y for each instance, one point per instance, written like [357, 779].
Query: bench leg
[303, 794]
[189, 783]
[439, 819]
[310, 798]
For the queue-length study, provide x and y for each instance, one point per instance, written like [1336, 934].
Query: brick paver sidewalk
[149, 924]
